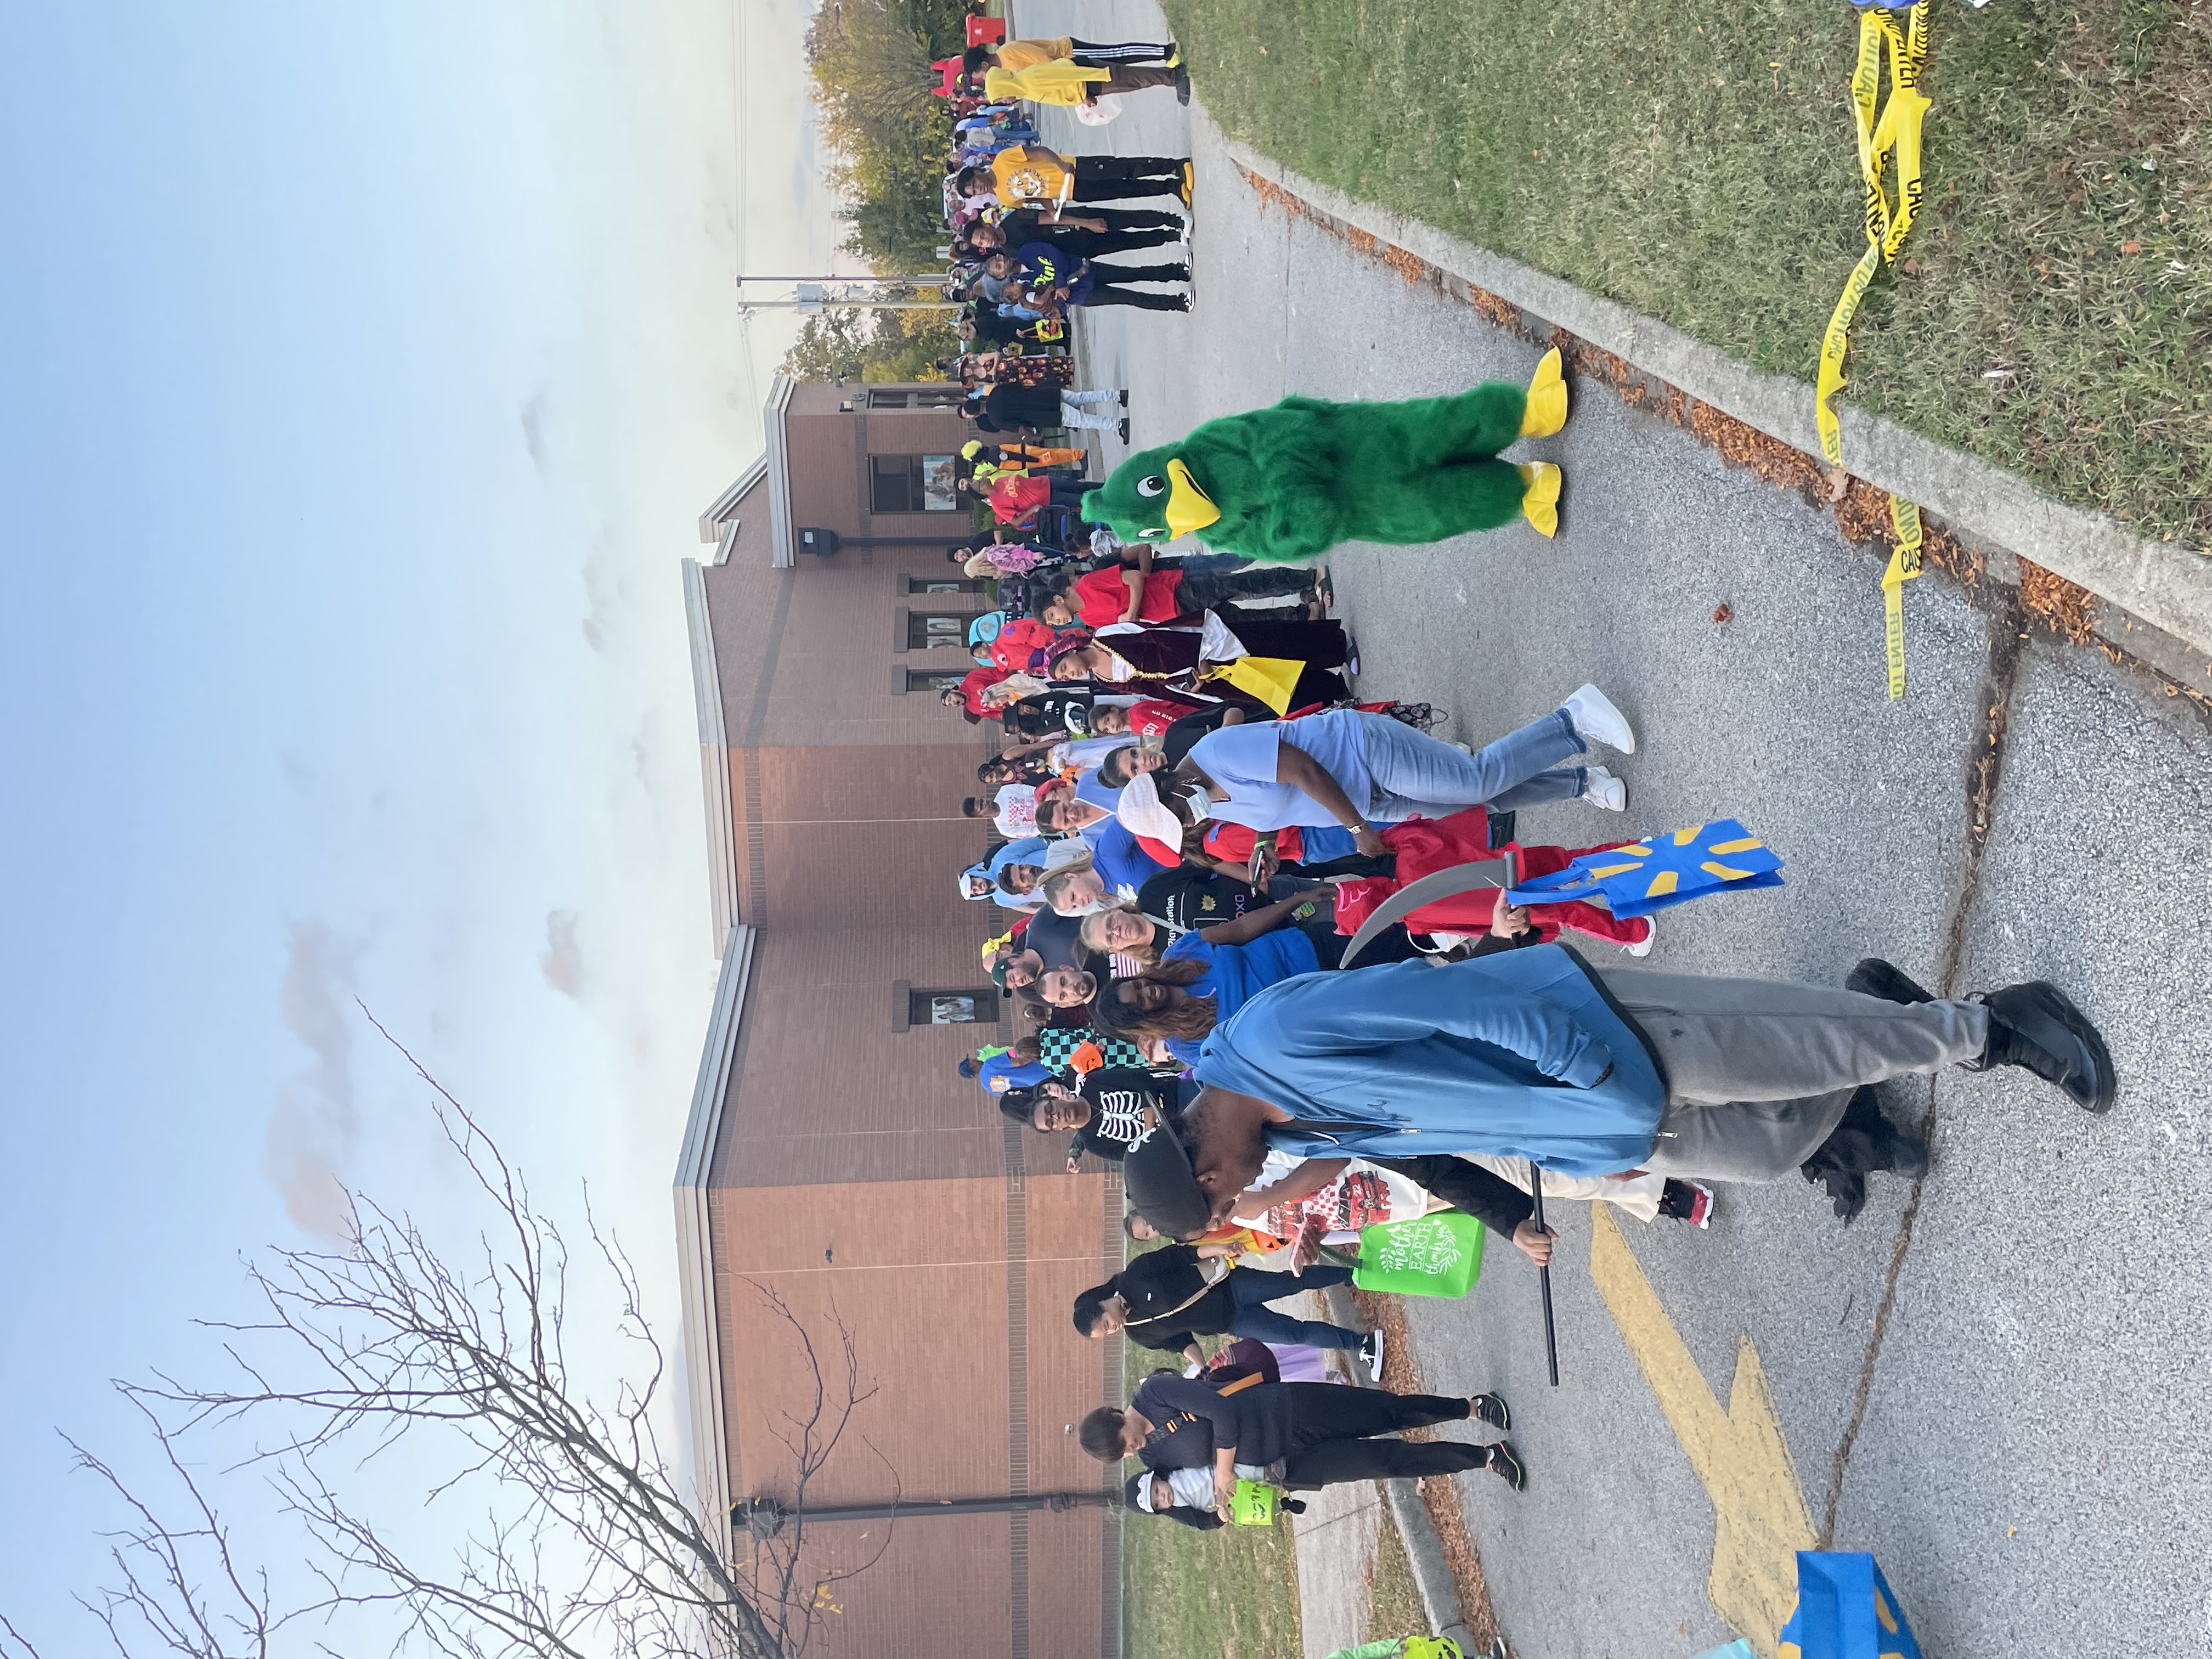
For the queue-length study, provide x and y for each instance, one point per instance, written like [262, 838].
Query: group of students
[1179, 957]
[1192, 807]
[1030, 236]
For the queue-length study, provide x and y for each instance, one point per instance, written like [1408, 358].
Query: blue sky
[365, 370]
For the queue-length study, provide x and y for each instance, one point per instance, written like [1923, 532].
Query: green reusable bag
[1436, 1254]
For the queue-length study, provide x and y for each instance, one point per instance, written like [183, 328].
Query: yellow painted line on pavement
[1760, 1520]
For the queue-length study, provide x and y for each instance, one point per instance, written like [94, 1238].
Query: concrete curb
[2165, 585]
[1417, 1532]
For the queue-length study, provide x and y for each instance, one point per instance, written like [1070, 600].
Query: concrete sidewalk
[1977, 1381]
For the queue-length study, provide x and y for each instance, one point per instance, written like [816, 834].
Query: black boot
[1865, 1143]
[1874, 978]
[2037, 1027]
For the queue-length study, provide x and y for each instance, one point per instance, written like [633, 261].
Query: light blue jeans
[1416, 775]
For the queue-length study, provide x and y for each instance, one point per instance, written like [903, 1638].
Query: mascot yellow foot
[1188, 178]
[1539, 501]
[1547, 409]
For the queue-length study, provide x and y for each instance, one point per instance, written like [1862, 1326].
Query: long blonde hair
[1092, 934]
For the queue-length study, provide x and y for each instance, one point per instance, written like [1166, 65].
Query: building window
[911, 483]
[912, 1006]
[927, 397]
[972, 1007]
[944, 583]
[928, 629]
[933, 682]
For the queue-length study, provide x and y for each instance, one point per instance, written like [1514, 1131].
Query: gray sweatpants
[1758, 1070]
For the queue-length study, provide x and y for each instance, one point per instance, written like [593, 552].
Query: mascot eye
[1155, 533]
[1153, 488]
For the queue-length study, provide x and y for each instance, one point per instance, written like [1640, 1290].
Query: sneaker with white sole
[1370, 1351]
[1501, 1459]
[1642, 947]
[1597, 720]
[1687, 1201]
[1602, 788]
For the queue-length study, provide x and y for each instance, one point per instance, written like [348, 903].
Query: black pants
[1330, 1426]
[1393, 944]
[1142, 299]
[1094, 54]
[1171, 270]
[1102, 168]
[1202, 590]
[1116, 177]
[1094, 244]
[1125, 219]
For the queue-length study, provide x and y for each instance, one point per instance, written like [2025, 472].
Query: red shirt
[974, 684]
[1021, 644]
[1015, 496]
[1103, 595]
[1152, 716]
[1235, 843]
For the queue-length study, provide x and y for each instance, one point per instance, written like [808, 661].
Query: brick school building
[833, 1156]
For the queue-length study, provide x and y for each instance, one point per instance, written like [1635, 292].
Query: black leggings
[1330, 1426]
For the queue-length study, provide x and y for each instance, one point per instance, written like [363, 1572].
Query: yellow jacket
[1028, 54]
[1054, 81]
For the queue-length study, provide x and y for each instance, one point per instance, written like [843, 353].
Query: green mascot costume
[1287, 483]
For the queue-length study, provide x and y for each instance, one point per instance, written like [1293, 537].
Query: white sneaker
[1602, 788]
[1652, 931]
[1598, 721]
[1371, 1351]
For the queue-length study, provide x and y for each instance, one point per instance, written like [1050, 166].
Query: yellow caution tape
[1903, 566]
[1898, 129]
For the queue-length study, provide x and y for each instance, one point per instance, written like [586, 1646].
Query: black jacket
[1169, 1299]
[1192, 1422]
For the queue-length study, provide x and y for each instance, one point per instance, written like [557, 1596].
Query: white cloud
[562, 964]
[315, 1127]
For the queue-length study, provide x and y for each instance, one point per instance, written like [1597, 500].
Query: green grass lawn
[1696, 162]
[1186, 1595]
[1230, 1594]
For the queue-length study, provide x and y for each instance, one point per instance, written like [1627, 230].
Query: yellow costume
[1029, 172]
[1051, 81]
[1028, 54]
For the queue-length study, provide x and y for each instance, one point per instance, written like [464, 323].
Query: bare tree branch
[587, 1545]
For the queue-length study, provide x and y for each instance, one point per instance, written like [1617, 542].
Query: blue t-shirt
[1002, 1072]
[1237, 973]
[1028, 850]
[1318, 845]
[1090, 788]
[1242, 760]
[1120, 861]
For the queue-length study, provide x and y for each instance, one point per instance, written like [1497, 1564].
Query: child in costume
[1287, 483]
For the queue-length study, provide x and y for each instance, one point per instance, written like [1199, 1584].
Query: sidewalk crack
[1985, 768]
